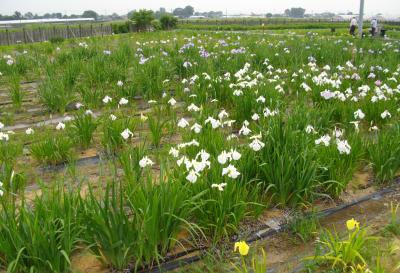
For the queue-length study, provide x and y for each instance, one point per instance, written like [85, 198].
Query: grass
[304, 227]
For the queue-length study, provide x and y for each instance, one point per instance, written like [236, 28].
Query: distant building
[197, 17]
[344, 17]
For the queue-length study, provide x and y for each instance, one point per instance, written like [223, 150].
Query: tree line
[58, 15]
[179, 12]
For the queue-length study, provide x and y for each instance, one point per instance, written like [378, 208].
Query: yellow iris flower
[352, 224]
[243, 248]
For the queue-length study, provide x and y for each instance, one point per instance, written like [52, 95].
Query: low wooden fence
[40, 34]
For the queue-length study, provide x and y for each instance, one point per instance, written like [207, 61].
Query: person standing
[374, 26]
[353, 25]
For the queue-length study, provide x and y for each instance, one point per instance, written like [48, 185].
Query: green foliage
[286, 165]
[168, 22]
[118, 28]
[82, 129]
[111, 233]
[40, 237]
[343, 253]
[259, 263]
[219, 213]
[52, 150]
[162, 212]
[157, 124]
[55, 95]
[304, 226]
[90, 14]
[155, 24]
[112, 140]
[56, 40]
[129, 160]
[141, 216]
[394, 224]
[337, 169]
[16, 92]
[139, 225]
[383, 154]
[9, 152]
[143, 19]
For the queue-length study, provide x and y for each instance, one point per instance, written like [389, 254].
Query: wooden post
[54, 31]
[24, 33]
[91, 29]
[101, 29]
[40, 35]
[67, 31]
[80, 30]
[8, 37]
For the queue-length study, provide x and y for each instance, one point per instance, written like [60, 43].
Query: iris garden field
[133, 147]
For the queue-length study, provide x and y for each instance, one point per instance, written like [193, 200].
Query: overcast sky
[387, 7]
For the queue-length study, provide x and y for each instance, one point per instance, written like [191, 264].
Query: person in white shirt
[374, 26]
[353, 25]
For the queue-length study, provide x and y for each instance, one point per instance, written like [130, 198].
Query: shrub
[168, 22]
[119, 28]
[56, 40]
[143, 19]
[155, 25]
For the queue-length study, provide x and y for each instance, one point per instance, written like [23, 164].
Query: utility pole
[360, 18]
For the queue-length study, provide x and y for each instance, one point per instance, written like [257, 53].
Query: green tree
[17, 15]
[143, 19]
[168, 21]
[188, 11]
[28, 15]
[184, 12]
[178, 12]
[90, 14]
[295, 12]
